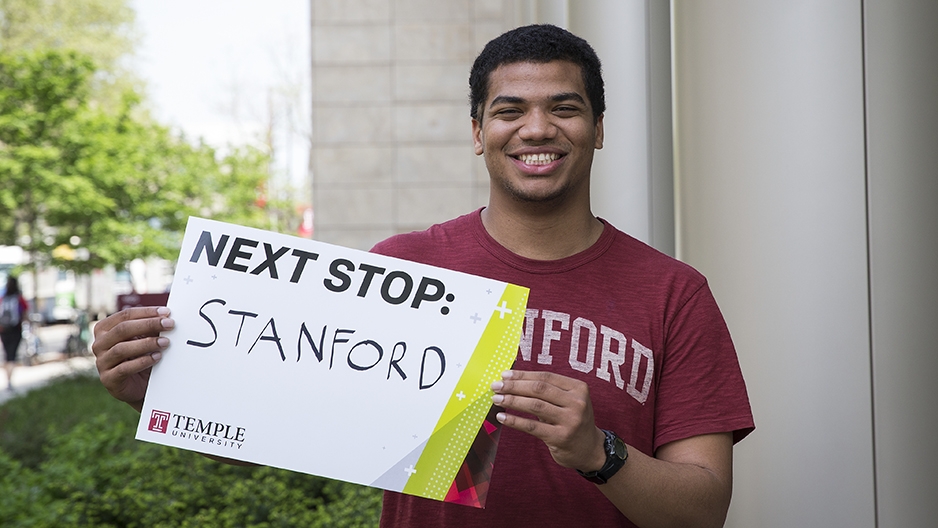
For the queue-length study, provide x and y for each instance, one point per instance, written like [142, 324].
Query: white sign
[331, 361]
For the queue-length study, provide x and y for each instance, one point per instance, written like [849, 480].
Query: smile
[539, 159]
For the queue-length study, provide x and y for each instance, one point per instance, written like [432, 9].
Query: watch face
[619, 447]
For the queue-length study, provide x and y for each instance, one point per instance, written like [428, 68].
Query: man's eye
[508, 112]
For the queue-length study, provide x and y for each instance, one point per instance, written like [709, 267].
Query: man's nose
[537, 126]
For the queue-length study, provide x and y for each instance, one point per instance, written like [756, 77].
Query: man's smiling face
[537, 132]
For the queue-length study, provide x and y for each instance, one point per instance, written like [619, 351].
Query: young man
[626, 398]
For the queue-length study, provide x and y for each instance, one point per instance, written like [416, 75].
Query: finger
[130, 329]
[558, 380]
[126, 343]
[532, 388]
[130, 351]
[128, 314]
[545, 411]
[115, 378]
[536, 428]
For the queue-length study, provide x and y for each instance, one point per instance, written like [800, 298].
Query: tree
[121, 187]
[40, 95]
[83, 167]
[139, 183]
[131, 186]
[102, 30]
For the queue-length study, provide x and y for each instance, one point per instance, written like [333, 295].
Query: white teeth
[538, 159]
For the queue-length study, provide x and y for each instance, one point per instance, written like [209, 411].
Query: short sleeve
[701, 388]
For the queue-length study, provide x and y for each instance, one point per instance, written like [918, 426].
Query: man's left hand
[563, 415]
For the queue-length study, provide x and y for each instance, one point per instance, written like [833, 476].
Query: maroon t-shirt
[641, 328]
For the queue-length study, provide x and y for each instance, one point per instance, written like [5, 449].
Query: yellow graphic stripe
[472, 398]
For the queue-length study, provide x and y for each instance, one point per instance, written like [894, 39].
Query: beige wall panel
[363, 239]
[488, 9]
[481, 171]
[432, 123]
[348, 84]
[390, 116]
[483, 32]
[352, 124]
[424, 42]
[435, 164]
[370, 207]
[433, 82]
[351, 44]
[346, 11]
[425, 205]
[353, 165]
[480, 195]
[432, 11]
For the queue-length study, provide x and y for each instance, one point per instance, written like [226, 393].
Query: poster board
[334, 362]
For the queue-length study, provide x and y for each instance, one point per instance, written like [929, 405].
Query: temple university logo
[159, 421]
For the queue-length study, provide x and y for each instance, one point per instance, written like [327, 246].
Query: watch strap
[616, 455]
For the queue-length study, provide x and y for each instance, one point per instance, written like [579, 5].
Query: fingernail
[162, 310]
[167, 323]
[497, 386]
[500, 417]
[507, 374]
[156, 356]
[498, 398]
[162, 342]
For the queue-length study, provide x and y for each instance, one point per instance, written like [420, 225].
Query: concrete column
[772, 193]
[902, 123]
[632, 174]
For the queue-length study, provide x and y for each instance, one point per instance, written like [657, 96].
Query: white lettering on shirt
[586, 365]
[527, 337]
[640, 352]
[613, 356]
[550, 334]
[610, 358]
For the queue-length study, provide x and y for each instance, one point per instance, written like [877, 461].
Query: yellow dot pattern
[462, 418]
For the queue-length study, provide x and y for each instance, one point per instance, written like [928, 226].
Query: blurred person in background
[12, 309]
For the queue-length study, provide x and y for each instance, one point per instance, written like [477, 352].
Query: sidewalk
[28, 378]
[52, 363]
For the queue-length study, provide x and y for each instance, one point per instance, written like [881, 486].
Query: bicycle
[79, 343]
[33, 346]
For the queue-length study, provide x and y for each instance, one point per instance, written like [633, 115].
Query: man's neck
[542, 233]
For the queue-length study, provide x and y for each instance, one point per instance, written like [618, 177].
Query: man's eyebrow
[557, 98]
[506, 99]
[567, 96]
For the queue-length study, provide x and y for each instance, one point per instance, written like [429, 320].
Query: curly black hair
[539, 43]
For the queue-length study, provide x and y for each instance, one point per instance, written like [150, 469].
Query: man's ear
[599, 132]
[477, 137]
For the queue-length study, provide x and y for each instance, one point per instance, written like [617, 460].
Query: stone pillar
[795, 129]
[632, 184]
[901, 46]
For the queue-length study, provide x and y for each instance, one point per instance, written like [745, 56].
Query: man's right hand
[126, 346]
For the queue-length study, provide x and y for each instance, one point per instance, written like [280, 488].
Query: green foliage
[240, 185]
[40, 95]
[102, 30]
[91, 472]
[81, 164]
[30, 422]
[123, 186]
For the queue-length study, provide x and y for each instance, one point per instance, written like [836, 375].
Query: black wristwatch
[616, 455]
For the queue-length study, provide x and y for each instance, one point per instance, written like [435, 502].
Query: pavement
[50, 363]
